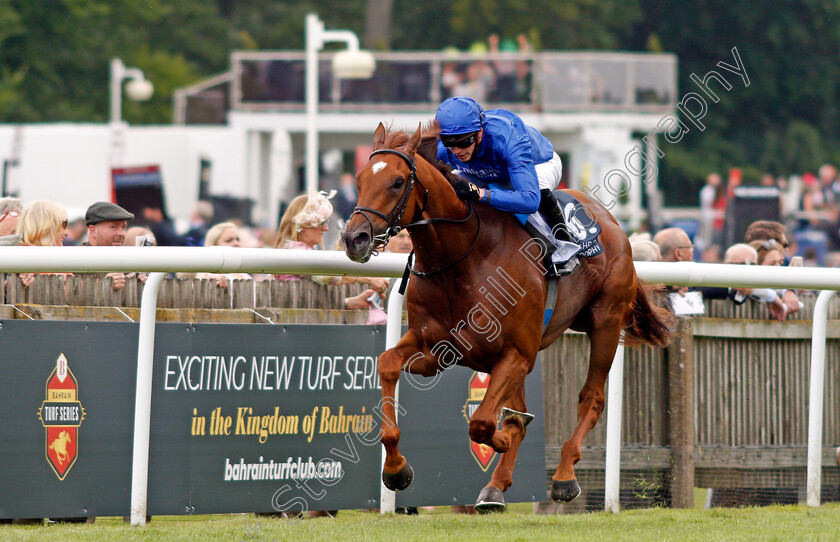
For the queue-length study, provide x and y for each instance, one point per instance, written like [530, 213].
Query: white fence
[161, 260]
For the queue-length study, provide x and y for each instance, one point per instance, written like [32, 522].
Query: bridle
[398, 211]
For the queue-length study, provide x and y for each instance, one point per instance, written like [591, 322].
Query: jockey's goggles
[461, 141]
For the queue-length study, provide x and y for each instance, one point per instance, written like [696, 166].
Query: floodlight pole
[316, 37]
[119, 73]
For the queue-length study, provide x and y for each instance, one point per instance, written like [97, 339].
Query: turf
[786, 523]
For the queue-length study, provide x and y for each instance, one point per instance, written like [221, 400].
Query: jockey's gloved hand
[466, 190]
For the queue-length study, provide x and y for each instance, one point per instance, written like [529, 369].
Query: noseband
[398, 211]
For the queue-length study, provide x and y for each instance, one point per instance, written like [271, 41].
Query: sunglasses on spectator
[10, 213]
[770, 244]
[459, 141]
[64, 223]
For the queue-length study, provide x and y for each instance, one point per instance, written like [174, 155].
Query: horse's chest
[470, 331]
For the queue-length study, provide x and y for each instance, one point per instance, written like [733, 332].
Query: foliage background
[54, 58]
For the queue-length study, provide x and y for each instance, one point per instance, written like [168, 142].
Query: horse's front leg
[397, 473]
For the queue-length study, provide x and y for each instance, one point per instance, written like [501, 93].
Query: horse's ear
[379, 137]
[414, 141]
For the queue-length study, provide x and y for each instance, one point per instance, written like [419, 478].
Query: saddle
[561, 257]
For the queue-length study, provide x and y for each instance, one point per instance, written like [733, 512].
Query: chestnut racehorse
[477, 300]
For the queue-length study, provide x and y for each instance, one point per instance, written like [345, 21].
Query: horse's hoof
[490, 500]
[564, 490]
[400, 480]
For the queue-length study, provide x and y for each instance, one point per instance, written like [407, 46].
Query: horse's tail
[646, 321]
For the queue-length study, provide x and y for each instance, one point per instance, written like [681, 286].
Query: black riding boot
[553, 214]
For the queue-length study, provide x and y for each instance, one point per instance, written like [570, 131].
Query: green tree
[786, 116]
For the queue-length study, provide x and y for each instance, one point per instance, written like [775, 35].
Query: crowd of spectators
[45, 223]
[809, 208]
[765, 243]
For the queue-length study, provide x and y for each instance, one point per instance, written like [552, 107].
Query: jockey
[497, 147]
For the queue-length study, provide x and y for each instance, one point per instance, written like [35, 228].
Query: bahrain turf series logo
[477, 389]
[61, 414]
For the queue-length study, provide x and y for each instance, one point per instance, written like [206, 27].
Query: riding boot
[553, 214]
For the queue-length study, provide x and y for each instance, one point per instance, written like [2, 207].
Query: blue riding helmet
[459, 115]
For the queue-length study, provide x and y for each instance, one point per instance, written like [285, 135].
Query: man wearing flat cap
[106, 223]
[106, 226]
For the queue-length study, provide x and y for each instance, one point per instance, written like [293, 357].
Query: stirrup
[563, 269]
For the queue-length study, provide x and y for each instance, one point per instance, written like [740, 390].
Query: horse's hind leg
[491, 496]
[506, 386]
[603, 343]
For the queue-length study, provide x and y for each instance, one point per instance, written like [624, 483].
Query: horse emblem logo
[61, 414]
[476, 389]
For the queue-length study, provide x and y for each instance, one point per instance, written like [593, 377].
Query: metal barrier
[160, 260]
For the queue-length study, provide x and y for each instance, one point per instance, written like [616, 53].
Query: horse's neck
[438, 244]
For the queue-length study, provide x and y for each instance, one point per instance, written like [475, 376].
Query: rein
[398, 211]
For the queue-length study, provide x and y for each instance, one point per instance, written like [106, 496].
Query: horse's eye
[398, 182]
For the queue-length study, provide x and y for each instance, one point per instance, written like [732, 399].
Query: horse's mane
[427, 147]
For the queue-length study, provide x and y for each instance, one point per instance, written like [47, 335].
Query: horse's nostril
[361, 240]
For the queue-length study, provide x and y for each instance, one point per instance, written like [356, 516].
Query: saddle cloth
[580, 226]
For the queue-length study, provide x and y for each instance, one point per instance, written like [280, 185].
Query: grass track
[783, 523]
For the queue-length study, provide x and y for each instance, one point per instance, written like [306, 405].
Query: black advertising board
[242, 412]
[87, 472]
[750, 203]
[449, 468]
[135, 188]
[245, 418]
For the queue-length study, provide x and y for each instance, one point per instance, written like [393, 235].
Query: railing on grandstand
[418, 81]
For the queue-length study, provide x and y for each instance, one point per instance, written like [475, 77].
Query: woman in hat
[302, 228]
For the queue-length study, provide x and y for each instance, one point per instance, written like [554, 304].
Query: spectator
[225, 234]
[643, 248]
[42, 223]
[10, 211]
[76, 230]
[813, 198]
[767, 229]
[138, 236]
[302, 228]
[769, 252]
[821, 207]
[769, 238]
[345, 201]
[675, 245]
[733, 182]
[450, 78]
[645, 251]
[712, 200]
[710, 254]
[107, 224]
[200, 220]
[829, 183]
[743, 254]
[400, 243]
[162, 227]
